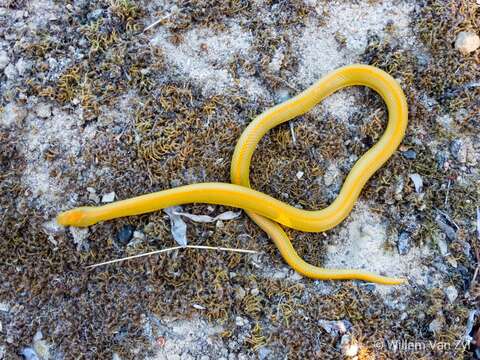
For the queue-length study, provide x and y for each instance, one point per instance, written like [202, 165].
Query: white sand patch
[318, 48]
[40, 12]
[204, 57]
[62, 133]
[361, 245]
[319, 51]
[182, 339]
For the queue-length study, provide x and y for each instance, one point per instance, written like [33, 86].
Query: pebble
[349, 348]
[403, 243]
[451, 293]
[92, 195]
[254, 292]
[4, 59]
[43, 110]
[125, 234]
[409, 154]
[417, 182]
[108, 198]
[239, 321]
[300, 175]
[467, 42]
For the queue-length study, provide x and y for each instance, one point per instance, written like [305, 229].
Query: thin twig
[156, 22]
[478, 223]
[448, 191]
[477, 255]
[292, 130]
[171, 249]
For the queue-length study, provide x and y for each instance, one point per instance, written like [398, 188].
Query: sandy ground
[98, 105]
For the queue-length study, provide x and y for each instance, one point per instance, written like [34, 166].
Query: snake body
[266, 211]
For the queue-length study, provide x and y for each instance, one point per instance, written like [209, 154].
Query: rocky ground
[108, 99]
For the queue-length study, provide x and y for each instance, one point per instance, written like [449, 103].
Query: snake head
[78, 217]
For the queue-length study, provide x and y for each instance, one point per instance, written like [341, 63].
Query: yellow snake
[265, 210]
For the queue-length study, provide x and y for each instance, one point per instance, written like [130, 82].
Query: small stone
[349, 348]
[2, 352]
[108, 198]
[125, 234]
[10, 71]
[254, 292]
[403, 243]
[43, 110]
[12, 114]
[239, 321]
[4, 59]
[115, 356]
[299, 175]
[451, 293]
[94, 197]
[409, 154]
[467, 42]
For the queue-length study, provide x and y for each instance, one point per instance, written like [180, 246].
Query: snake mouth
[75, 217]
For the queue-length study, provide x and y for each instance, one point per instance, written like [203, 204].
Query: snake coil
[266, 211]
